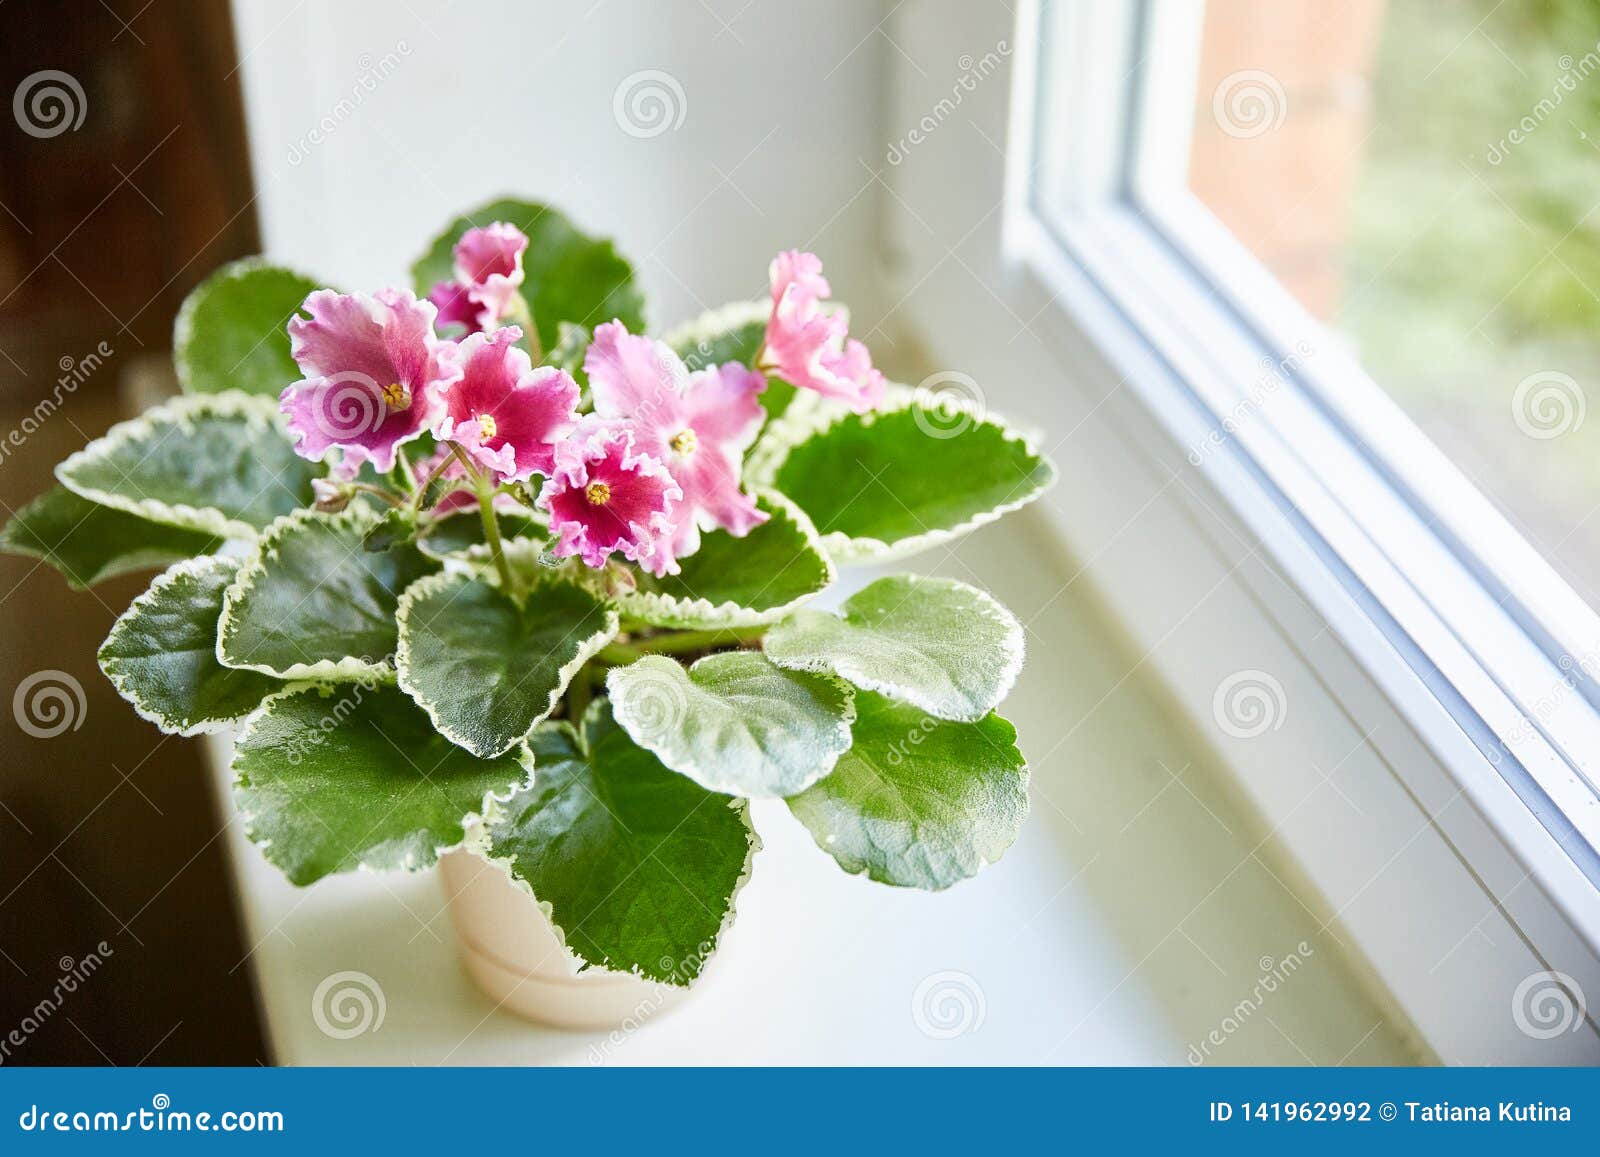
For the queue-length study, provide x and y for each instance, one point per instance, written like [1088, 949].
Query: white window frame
[1445, 701]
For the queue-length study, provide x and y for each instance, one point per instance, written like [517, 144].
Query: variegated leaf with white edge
[216, 463]
[739, 582]
[638, 868]
[334, 778]
[735, 723]
[939, 644]
[918, 802]
[161, 655]
[915, 473]
[313, 603]
[486, 666]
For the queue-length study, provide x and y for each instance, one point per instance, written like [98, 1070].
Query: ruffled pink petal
[528, 409]
[806, 346]
[488, 261]
[454, 302]
[634, 377]
[375, 374]
[723, 405]
[636, 517]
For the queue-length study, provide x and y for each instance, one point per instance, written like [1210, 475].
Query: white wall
[374, 122]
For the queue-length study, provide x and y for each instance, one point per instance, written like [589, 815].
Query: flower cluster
[650, 465]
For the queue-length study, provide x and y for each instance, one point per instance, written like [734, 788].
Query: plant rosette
[477, 566]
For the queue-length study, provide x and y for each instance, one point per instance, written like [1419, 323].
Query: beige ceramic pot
[513, 954]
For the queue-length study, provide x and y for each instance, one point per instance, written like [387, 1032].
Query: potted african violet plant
[470, 578]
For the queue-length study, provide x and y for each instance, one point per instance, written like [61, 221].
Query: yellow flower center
[684, 442]
[396, 396]
[598, 493]
[486, 427]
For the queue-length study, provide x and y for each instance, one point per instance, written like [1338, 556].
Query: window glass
[1424, 175]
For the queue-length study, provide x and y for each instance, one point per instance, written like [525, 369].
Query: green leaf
[231, 333]
[733, 333]
[89, 543]
[394, 528]
[330, 779]
[941, 645]
[739, 582]
[570, 275]
[162, 653]
[462, 530]
[486, 669]
[889, 483]
[733, 722]
[217, 464]
[313, 604]
[916, 801]
[638, 866]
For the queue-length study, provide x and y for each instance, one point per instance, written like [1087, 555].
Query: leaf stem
[387, 495]
[491, 526]
[522, 314]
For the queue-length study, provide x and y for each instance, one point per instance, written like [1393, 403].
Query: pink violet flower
[488, 274]
[375, 375]
[605, 497]
[698, 425]
[506, 413]
[809, 347]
